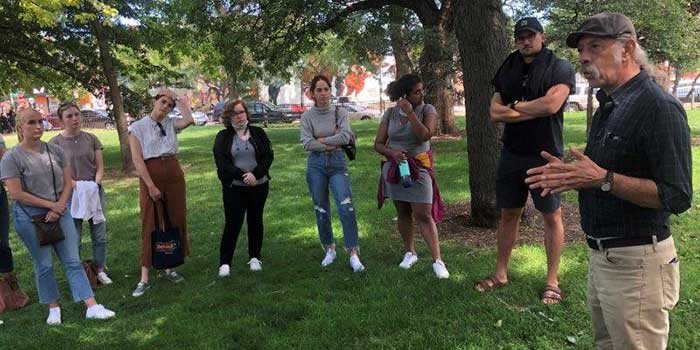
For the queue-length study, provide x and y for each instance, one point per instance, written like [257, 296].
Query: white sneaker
[329, 258]
[103, 278]
[54, 316]
[224, 270]
[99, 312]
[409, 259]
[255, 264]
[440, 269]
[356, 264]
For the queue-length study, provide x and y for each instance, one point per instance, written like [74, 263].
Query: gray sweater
[317, 123]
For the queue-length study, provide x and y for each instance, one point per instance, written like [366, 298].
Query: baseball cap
[528, 23]
[607, 25]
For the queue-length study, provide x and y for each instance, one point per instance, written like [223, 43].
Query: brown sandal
[552, 294]
[488, 284]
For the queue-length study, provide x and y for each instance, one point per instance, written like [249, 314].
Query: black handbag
[166, 244]
[47, 232]
[350, 149]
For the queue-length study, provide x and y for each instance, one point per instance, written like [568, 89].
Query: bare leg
[405, 224]
[422, 214]
[508, 233]
[144, 274]
[554, 244]
[90, 302]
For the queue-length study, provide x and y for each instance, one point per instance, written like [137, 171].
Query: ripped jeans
[326, 170]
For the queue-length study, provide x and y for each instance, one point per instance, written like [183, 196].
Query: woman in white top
[154, 152]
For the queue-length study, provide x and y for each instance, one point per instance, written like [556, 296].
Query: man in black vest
[531, 88]
[635, 172]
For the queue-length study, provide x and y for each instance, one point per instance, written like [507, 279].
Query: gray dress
[401, 136]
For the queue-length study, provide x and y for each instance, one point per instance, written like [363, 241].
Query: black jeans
[239, 200]
[6, 264]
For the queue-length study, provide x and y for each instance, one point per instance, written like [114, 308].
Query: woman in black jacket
[243, 156]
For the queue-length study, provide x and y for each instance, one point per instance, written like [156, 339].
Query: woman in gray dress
[404, 135]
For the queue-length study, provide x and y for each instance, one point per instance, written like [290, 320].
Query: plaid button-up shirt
[639, 131]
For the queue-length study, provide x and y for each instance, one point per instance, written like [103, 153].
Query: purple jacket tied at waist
[422, 160]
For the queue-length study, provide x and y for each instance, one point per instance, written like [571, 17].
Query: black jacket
[225, 168]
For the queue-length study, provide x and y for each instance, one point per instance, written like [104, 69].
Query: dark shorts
[511, 190]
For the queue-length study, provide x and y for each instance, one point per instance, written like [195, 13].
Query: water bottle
[405, 173]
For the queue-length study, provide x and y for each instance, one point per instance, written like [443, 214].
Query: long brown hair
[229, 113]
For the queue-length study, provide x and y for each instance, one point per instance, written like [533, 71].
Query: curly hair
[229, 113]
[402, 86]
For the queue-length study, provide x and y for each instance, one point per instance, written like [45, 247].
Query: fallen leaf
[571, 340]
[499, 323]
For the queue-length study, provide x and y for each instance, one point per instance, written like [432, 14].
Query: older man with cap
[635, 172]
[531, 88]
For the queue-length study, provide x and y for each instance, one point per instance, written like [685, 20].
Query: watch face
[605, 187]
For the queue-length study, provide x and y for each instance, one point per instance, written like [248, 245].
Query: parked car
[291, 111]
[265, 112]
[200, 118]
[683, 91]
[340, 100]
[578, 100]
[96, 118]
[54, 122]
[357, 112]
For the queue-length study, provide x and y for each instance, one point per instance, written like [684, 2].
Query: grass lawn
[295, 304]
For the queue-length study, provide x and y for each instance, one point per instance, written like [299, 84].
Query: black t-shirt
[517, 81]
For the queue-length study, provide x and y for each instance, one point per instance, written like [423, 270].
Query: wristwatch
[607, 184]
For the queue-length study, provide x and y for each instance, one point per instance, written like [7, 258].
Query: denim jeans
[42, 257]
[326, 170]
[98, 235]
[6, 263]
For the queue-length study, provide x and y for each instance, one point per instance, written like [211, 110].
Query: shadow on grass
[293, 302]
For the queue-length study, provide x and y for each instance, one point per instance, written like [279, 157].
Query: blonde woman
[37, 176]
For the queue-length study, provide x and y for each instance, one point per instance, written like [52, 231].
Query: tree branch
[426, 10]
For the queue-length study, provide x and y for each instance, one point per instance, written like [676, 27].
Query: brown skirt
[170, 180]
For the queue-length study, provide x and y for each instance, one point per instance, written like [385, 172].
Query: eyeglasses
[162, 130]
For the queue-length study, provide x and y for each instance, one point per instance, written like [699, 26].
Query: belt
[607, 243]
[165, 157]
[324, 153]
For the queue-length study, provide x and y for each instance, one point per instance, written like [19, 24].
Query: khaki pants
[630, 293]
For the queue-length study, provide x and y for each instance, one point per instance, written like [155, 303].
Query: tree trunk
[691, 94]
[114, 93]
[232, 87]
[436, 71]
[400, 49]
[483, 45]
[589, 109]
[676, 81]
